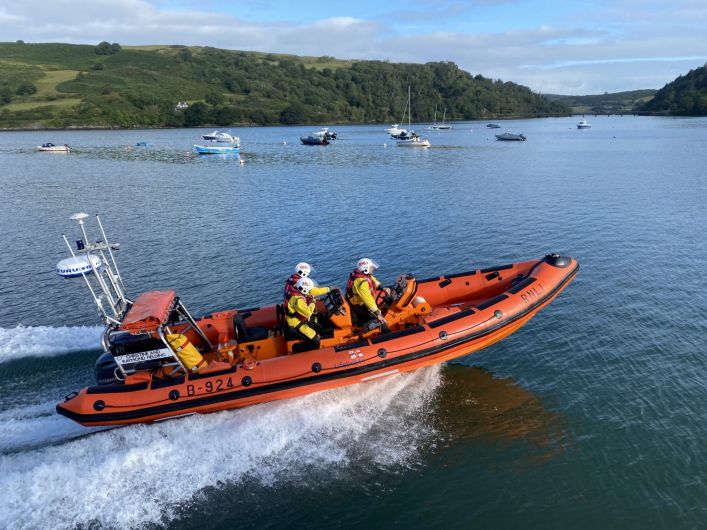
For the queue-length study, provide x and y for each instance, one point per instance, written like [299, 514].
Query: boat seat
[246, 334]
[286, 331]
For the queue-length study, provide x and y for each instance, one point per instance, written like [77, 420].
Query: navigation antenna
[100, 273]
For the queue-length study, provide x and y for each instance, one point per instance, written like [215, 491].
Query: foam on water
[36, 426]
[139, 474]
[47, 341]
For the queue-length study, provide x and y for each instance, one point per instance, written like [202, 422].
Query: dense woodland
[63, 85]
[686, 96]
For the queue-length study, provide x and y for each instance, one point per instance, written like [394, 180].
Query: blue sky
[566, 47]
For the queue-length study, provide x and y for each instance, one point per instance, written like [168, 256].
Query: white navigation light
[79, 216]
[74, 267]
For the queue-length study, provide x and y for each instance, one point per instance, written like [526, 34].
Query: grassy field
[46, 85]
[57, 104]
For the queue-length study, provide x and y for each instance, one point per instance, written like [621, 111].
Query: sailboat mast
[409, 107]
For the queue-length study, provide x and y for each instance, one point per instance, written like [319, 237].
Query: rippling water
[592, 416]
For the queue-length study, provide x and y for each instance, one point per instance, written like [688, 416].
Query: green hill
[65, 85]
[686, 96]
[615, 103]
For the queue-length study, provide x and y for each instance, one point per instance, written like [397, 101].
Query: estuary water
[594, 415]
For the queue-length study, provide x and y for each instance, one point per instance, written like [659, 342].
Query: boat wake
[141, 474]
[37, 426]
[47, 341]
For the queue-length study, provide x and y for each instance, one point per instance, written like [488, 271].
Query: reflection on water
[472, 405]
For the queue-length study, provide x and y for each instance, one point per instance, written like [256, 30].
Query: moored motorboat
[218, 136]
[326, 133]
[161, 362]
[413, 140]
[584, 124]
[314, 140]
[510, 137]
[395, 130]
[493, 126]
[51, 148]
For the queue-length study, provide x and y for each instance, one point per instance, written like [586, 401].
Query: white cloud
[609, 51]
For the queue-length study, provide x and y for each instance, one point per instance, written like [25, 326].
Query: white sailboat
[411, 139]
[439, 127]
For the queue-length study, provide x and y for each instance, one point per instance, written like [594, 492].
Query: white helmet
[303, 269]
[304, 285]
[366, 265]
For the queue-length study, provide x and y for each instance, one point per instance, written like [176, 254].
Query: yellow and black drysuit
[361, 290]
[291, 282]
[299, 309]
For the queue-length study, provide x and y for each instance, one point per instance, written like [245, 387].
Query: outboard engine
[137, 351]
[105, 370]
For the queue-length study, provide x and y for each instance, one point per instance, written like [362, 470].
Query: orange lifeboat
[249, 358]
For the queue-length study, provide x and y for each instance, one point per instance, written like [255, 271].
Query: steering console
[333, 302]
[401, 293]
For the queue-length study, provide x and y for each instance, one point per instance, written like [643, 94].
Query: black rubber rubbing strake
[500, 268]
[451, 318]
[521, 285]
[493, 301]
[396, 334]
[352, 345]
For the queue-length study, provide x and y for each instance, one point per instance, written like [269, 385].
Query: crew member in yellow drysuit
[303, 270]
[299, 308]
[362, 290]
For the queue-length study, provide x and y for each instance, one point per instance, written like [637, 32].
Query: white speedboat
[325, 133]
[414, 141]
[395, 130]
[223, 137]
[51, 148]
[584, 124]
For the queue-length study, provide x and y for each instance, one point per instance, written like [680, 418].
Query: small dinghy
[161, 362]
[216, 149]
[51, 148]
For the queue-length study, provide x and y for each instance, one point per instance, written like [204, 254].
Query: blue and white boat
[216, 149]
[584, 124]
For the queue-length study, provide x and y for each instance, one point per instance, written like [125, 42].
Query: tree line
[126, 87]
[685, 96]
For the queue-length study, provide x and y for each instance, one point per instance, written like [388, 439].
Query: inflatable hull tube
[435, 320]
